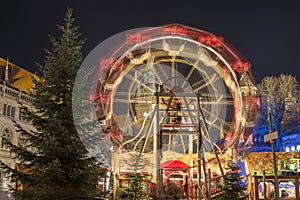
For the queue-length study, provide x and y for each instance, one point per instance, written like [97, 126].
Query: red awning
[174, 164]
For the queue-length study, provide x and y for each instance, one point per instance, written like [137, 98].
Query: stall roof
[174, 164]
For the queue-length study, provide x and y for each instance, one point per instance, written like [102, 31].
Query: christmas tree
[137, 181]
[54, 164]
[232, 186]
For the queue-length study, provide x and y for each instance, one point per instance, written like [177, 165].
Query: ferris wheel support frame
[208, 136]
[158, 144]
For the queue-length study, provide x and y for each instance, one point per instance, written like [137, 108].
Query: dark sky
[265, 32]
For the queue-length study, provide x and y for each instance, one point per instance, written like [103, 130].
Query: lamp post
[264, 185]
[275, 171]
[271, 137]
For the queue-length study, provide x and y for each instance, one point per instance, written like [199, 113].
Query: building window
[4, 109]
[12, 113]
[6, 137]
[9, 110]
[20, 113]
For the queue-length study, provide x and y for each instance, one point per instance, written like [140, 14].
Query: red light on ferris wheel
[214, 41]
[105, 98]
[103, 63]
[93, 97]
[119, 64]
[242, 66]
[175, 30]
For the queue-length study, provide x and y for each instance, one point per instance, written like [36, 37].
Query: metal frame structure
[189, 125]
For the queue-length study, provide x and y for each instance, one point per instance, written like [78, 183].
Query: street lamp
[271, 137]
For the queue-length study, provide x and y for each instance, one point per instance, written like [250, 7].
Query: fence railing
[18, 94]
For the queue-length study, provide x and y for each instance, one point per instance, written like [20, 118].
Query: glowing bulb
[293, 148]
[145, 114]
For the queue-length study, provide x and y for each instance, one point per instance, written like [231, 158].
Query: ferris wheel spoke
[182, 143]
[213, 124]
[188, 76]
[217, 123]
[211, 115]
[216, 99]
[157, 75]
[212, 80]
[146, 101]
[191, 116]
[125, 97]
[173, 69]
[150, 59]
[130, 77]
[151, 65]
[119, 100]
[170, 142]
[199, 83]
[191, 72]
[161, 72]
[217, 103]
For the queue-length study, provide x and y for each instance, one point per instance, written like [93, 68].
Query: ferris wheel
[177, 60]
[163, 89]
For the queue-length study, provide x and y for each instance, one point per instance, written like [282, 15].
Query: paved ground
[4, 191]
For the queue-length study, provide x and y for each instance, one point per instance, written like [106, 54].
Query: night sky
[265, 32]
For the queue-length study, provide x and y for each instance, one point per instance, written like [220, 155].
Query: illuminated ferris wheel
[166, 93]
[177, 80]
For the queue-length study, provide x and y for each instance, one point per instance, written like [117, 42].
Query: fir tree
[232, 187]
[55, 164]
[137, 181]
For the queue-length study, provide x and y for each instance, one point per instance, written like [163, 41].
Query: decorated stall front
[259, 166]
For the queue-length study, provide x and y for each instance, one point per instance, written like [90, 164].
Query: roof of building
[245, 80]
[18, 78]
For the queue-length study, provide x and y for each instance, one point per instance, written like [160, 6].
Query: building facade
[15, 84]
